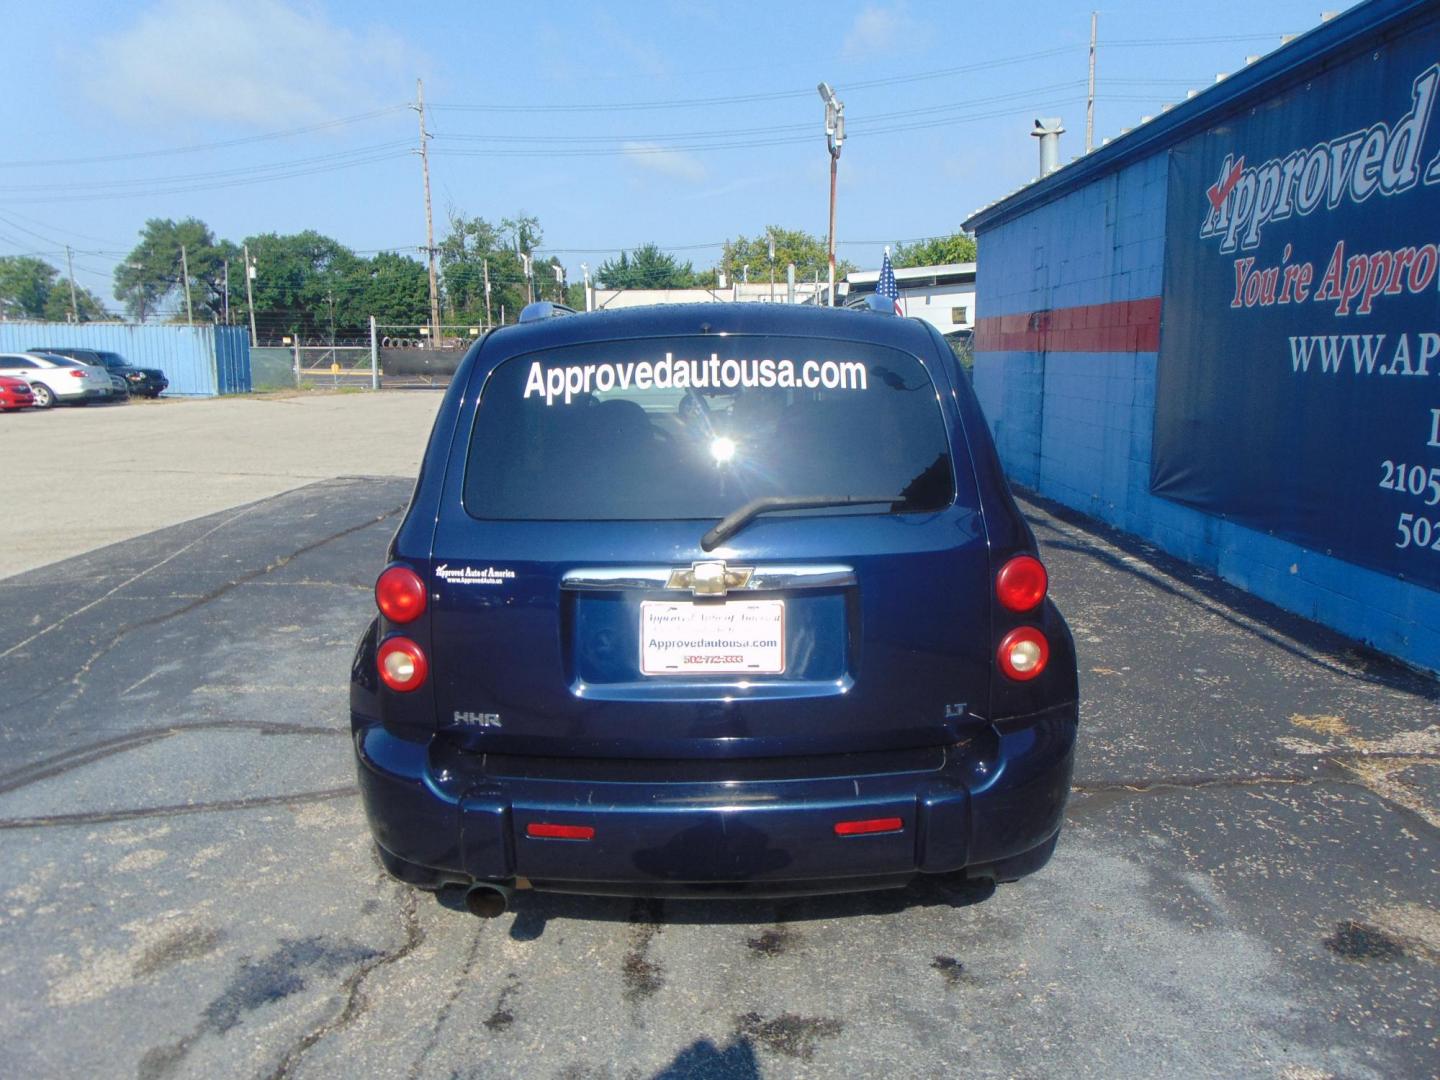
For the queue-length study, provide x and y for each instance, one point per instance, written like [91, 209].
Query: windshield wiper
[741, 516]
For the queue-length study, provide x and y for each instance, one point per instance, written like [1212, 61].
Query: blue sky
[615, 124]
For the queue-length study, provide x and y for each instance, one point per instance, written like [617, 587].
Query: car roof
[670, 320]
[39, 354]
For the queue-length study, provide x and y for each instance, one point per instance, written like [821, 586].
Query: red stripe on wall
[1124, 326]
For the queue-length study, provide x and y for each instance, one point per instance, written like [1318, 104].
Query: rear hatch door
[575, 611]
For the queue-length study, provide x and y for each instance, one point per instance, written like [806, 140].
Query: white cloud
[659, 159]
[878, 29]
[260, 62]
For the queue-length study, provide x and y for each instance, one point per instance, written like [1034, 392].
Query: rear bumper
[991, 800]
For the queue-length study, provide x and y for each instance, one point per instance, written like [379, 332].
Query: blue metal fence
[199, 361]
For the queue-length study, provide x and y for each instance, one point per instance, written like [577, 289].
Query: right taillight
[400, 594]
[1023, 653]
[402, 664]
[76, 373]
[1021, 583]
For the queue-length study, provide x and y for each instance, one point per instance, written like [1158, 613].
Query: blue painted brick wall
[1077, 427]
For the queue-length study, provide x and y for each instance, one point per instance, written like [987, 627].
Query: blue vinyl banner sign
[1298, 389]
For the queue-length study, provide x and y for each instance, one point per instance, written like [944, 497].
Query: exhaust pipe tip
[486, 901]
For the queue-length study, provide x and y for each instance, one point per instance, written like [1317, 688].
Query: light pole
[835, 138]
[772, 267]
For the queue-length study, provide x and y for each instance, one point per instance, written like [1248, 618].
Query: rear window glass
[695, 427]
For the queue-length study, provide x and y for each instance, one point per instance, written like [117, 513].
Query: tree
[937, 251]
[396, 289]
[31, 288]
[88, 306]
[473, 243]
[25, 286]
[808, 253]
[648, 268]
[153, 271]
[464, 252]
[309, 284]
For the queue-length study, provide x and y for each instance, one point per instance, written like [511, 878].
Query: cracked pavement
[1247, 884]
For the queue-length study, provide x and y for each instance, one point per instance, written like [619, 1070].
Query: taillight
[545, 830]
[1023, 653]
[868, 826]
[76, 373]
[400, 594]
[1021, 583]
[402, 664]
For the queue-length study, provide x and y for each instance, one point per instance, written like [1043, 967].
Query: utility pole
[250, 296]
[489, 319]
[560, 281]
[835, 139]
[185, 269]
[74, 304]
[589, 298]
[227, 292]
[429, 220]
[772, 268]
[529, 275]
[1090, 99]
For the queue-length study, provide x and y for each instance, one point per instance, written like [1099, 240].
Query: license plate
[737, 637]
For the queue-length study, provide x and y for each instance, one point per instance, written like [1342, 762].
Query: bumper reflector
[869, 825]
[547, 831]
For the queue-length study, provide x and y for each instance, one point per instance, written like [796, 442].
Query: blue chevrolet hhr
[726, 599]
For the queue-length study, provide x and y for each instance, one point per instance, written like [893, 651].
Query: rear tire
[44, 396]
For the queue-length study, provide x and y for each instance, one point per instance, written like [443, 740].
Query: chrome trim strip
[766, 578]
[819, 576]
[616, 577]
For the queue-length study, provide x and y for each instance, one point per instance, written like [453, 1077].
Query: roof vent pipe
[1048, 130]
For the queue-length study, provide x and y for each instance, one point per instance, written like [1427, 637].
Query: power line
[741, 144]
[218, 174]
[776, 129]
[774, 95]
[240, 182]
[198, 147]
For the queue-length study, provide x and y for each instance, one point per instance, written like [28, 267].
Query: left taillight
[400, 594]
[402, 664]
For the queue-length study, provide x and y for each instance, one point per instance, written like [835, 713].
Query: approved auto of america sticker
[470, 575]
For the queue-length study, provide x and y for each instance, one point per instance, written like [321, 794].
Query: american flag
[886, 285]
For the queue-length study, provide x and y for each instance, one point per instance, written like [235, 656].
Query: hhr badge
[477, 719]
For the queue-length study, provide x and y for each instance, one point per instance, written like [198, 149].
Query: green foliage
[472, 245]
[153, 271]
[25, 286]
[808, 253]
[31, 288]
[87, 305]
[311, 285]
[648, 268]
[396, 289]
[937, 251]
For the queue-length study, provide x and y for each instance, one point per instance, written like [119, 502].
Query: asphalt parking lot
[1248, 883]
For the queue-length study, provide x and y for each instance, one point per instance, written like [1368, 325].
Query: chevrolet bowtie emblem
[710, 578]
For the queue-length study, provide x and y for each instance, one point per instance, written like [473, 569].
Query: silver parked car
[58, 379]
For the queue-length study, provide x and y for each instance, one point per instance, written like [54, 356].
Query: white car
[56, 378]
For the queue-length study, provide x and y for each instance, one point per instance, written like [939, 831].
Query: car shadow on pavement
[534, 910]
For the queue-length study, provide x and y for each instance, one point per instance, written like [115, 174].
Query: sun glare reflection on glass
[722, 450]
